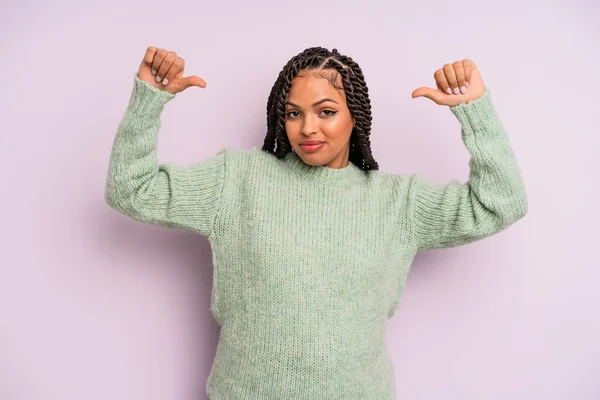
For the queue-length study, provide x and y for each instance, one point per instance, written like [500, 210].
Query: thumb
[432, 94]
[191, 81]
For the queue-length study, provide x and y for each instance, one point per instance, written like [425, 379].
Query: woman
[311, 244]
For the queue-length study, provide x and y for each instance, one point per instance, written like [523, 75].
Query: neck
[341, 161]
[342, 175]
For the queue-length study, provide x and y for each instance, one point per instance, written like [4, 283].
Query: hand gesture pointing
[459, 82]
[164, 70]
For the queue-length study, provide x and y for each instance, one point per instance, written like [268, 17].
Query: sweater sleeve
[494, 196]
[181, 197]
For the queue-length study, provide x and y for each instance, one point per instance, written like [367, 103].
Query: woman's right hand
[169, 67]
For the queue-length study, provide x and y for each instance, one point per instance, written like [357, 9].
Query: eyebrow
[315, 104]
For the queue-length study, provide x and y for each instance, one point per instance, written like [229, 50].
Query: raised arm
[494, 197]
[182, 197]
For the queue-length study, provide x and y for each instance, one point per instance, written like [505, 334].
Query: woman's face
[309, 117]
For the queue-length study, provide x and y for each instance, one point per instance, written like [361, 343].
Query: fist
[459, 82]
[164, 70]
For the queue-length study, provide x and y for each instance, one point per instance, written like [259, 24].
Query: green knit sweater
[309, 262]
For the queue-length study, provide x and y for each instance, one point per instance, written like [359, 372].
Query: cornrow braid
[357, 96]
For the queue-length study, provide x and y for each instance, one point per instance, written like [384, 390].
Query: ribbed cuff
[146, 99]
[477, 115]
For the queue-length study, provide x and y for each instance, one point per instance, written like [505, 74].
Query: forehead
[311, 85]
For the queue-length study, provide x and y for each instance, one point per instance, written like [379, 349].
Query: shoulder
[409, 181]
[240, 162]
[252, 154]
[390, 180]
[398, 189]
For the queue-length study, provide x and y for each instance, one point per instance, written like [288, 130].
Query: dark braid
[357, 96]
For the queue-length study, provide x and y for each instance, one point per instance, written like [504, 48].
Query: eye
[331, 113]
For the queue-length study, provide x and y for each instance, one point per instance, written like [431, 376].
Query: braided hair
[357, 97]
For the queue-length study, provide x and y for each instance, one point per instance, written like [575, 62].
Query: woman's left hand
[459, 82]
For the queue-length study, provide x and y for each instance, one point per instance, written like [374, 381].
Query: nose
[309, 125]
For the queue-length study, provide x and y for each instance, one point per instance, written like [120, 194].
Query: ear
[354, 122]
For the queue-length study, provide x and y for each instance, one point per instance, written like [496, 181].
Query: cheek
[334, 128]
[291, 128]
[337, 128]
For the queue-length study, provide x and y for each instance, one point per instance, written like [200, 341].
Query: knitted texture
[309, 262]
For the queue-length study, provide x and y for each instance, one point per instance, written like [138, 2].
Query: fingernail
[449, 91]
[467, 84]
[165, 81]
[158, 78]
[153, 72]
[456, 90]
[463, 89]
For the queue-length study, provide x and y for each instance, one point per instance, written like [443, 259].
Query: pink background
[94, 305]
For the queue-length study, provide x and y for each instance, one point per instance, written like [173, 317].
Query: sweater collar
[330, 176]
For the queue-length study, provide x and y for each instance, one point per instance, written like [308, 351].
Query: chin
[312, 159]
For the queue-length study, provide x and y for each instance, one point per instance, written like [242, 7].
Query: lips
[310, 142]
[310, 148]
